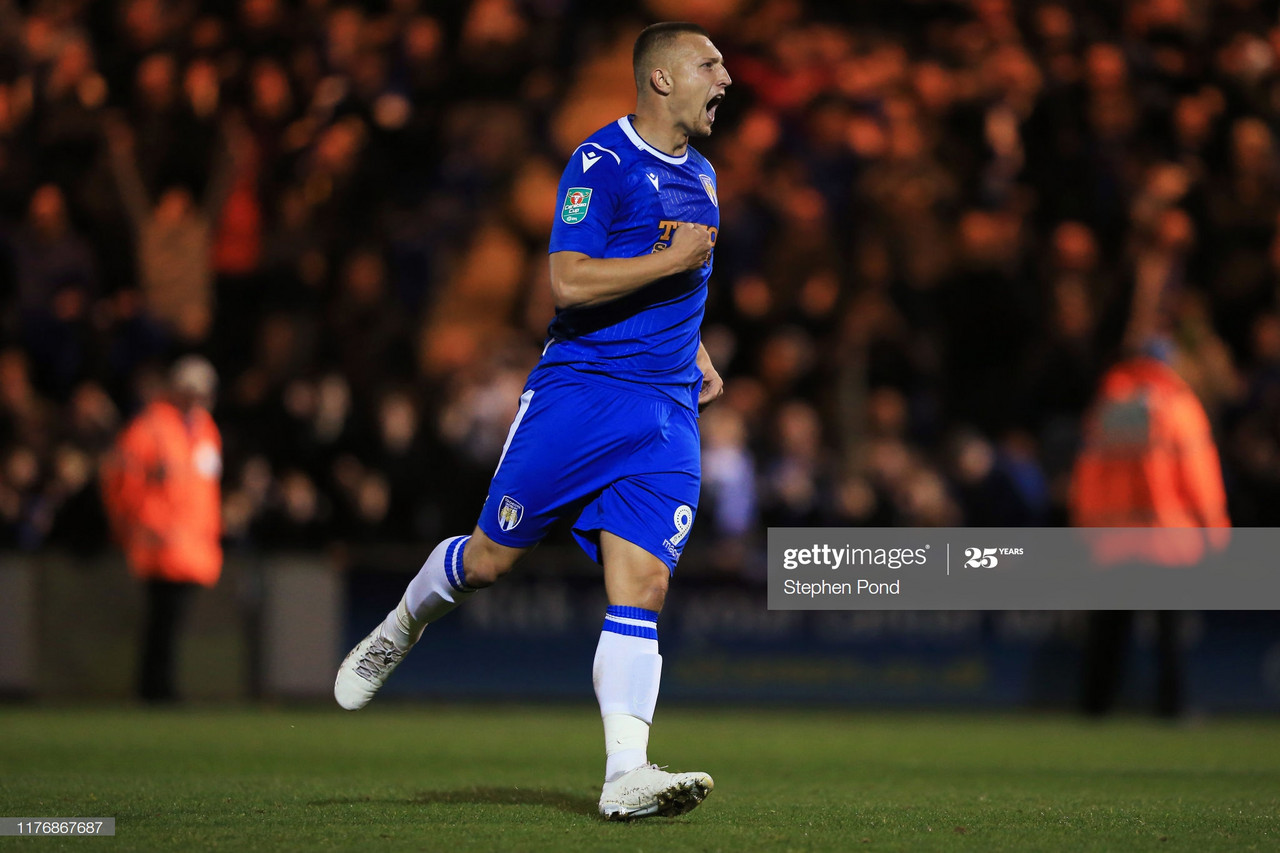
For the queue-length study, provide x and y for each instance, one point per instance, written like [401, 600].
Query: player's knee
[485, 561]
[653, 587]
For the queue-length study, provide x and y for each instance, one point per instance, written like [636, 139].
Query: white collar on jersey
[625, 124]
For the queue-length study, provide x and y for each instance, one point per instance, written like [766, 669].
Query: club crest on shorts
[710, 186]
[576, 202]
[510, 512]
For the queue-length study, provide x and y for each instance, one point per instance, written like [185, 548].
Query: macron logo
[653, 179]
[590, 158]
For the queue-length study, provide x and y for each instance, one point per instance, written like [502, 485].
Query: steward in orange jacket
[1149, 461]
[161, 484]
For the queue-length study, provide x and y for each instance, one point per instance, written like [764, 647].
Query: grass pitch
[457, 778]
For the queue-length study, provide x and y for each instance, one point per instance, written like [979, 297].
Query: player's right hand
[690, 246]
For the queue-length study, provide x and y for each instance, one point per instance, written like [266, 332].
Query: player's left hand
[712, 387]
[712, 384]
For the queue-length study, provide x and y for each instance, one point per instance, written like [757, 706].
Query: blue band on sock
[624, 620]
[454, 570]
[626, 629]
[632, 613]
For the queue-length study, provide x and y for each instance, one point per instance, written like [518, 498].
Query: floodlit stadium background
[933, 217]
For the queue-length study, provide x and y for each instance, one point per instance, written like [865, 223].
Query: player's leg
[626, 673]
[642, 522]
[632, 576]
[455, 569]
[628, 667]
[529, 491]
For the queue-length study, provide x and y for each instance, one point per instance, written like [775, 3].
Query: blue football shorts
[614, 459]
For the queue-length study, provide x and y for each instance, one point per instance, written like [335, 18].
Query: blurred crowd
[935, 216]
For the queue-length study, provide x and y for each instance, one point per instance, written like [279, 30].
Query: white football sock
[626, 744]
[439, 586]
[626, 674]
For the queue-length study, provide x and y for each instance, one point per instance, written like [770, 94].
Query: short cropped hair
[652, 40]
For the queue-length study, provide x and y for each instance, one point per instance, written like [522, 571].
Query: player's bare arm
[712, 384]
[578, 280]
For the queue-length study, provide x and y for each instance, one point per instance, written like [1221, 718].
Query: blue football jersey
[620, 198]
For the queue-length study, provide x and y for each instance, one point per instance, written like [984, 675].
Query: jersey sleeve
[588, 198]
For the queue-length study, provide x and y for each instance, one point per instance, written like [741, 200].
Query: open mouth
[712, 104]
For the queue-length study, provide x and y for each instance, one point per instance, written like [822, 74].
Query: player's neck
[660, 133]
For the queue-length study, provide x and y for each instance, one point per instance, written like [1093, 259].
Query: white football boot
[649, 791]
[365, 669]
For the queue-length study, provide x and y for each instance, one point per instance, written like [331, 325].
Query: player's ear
[660, 80]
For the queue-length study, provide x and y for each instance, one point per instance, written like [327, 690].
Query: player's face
[700, 79]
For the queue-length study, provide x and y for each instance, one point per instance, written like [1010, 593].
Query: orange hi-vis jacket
[1148, 460]
[161, 488]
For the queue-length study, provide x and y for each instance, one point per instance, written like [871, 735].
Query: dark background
[933, 217]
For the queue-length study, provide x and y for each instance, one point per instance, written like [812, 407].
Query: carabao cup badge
[576, 202]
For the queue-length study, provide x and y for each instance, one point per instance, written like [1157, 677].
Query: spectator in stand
[57, 285]
[174, 236]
